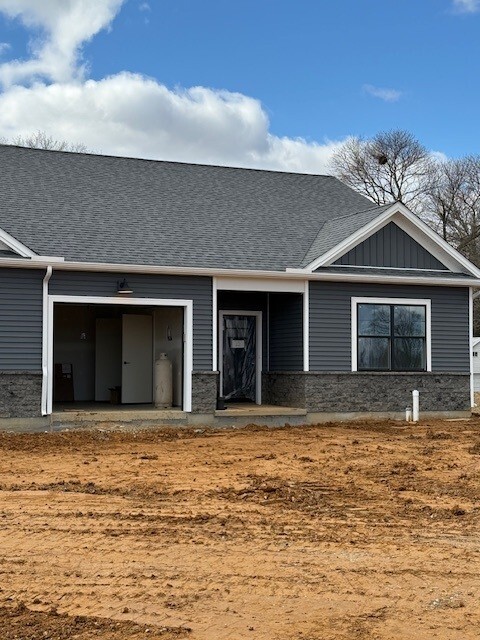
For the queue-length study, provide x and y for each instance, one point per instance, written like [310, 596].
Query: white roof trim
[415, 228]
[294, 274]
[16, 246]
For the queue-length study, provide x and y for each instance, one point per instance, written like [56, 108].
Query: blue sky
[269, 72]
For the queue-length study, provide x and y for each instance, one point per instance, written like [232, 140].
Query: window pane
[409, 353]
[409, 320]
[373, 353]
[373, 320]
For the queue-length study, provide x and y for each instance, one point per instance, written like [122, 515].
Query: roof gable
[391, 247]
[418, 230]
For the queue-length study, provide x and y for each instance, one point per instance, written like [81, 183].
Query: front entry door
[239, 358]
[137, 359]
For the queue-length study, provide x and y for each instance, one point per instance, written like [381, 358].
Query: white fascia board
[414, 227]
[259, 284]
[285, 276]
[15, 245]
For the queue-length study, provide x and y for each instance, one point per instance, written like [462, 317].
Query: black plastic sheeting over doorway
[239, 358]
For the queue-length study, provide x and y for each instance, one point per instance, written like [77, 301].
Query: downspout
[45, 345]
[472, 297]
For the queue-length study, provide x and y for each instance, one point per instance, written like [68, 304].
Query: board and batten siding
[330, 323]
[286, 332]
[390, 247]
[196, 288]
[21, 300]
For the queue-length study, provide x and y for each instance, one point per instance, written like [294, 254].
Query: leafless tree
[454, 201]
[41, 140]
[390, 167]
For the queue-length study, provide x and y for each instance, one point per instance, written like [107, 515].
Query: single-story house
[262, 287]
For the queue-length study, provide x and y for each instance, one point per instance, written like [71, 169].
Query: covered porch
[261, 333]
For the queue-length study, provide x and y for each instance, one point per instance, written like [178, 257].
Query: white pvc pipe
[416, 406]
[408, 414]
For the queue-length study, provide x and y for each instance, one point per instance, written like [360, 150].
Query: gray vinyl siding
[330, 323]
[391, 247]
[21, 299]
[286, 332]
[196, 288]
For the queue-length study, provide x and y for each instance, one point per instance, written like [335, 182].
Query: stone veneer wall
[20, 394]
[204, 391]
[367, 392]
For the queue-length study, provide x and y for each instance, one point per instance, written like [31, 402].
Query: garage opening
[104, 355]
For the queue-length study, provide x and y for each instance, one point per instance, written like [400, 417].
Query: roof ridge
[355, 213]
[174, 162]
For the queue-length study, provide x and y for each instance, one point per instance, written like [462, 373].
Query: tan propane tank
[163, 382]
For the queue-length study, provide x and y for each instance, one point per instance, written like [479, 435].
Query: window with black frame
[391, 337]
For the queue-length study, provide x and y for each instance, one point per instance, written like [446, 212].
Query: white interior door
[137, 359]
[108, 357]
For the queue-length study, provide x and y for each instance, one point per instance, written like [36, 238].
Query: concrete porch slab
[71, 414]
[258, 410]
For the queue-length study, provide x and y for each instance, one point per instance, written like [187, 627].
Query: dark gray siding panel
[391, 247]
[286, 332]
[21, 320]
[330, 323]
[198, 289]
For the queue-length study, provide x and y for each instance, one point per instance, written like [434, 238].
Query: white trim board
[426, 302]
[306, 327]
[144, 302]
[472, 339]
[258, 349]
[15, 245]
[259, 284]
[290, 275]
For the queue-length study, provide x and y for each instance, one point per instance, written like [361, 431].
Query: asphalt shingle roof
[121, 210]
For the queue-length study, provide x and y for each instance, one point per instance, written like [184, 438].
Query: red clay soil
[313, 533]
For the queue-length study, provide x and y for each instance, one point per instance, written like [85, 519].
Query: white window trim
[258, 354]
[144, 302]
[427, 303]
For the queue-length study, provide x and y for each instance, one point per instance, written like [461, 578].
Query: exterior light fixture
[123, 288]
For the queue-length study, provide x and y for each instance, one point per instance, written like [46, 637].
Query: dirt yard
[333, 532]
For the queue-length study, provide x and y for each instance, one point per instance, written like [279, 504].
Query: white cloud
[129, 114]
[387, 95]
[144, 6]
[4, 47]
[466, 6]
[61, 27]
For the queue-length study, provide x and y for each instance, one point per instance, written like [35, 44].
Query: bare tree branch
[41, 140]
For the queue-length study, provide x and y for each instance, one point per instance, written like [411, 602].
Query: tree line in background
[394, 166]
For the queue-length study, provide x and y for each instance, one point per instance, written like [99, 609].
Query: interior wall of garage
[75, 342]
